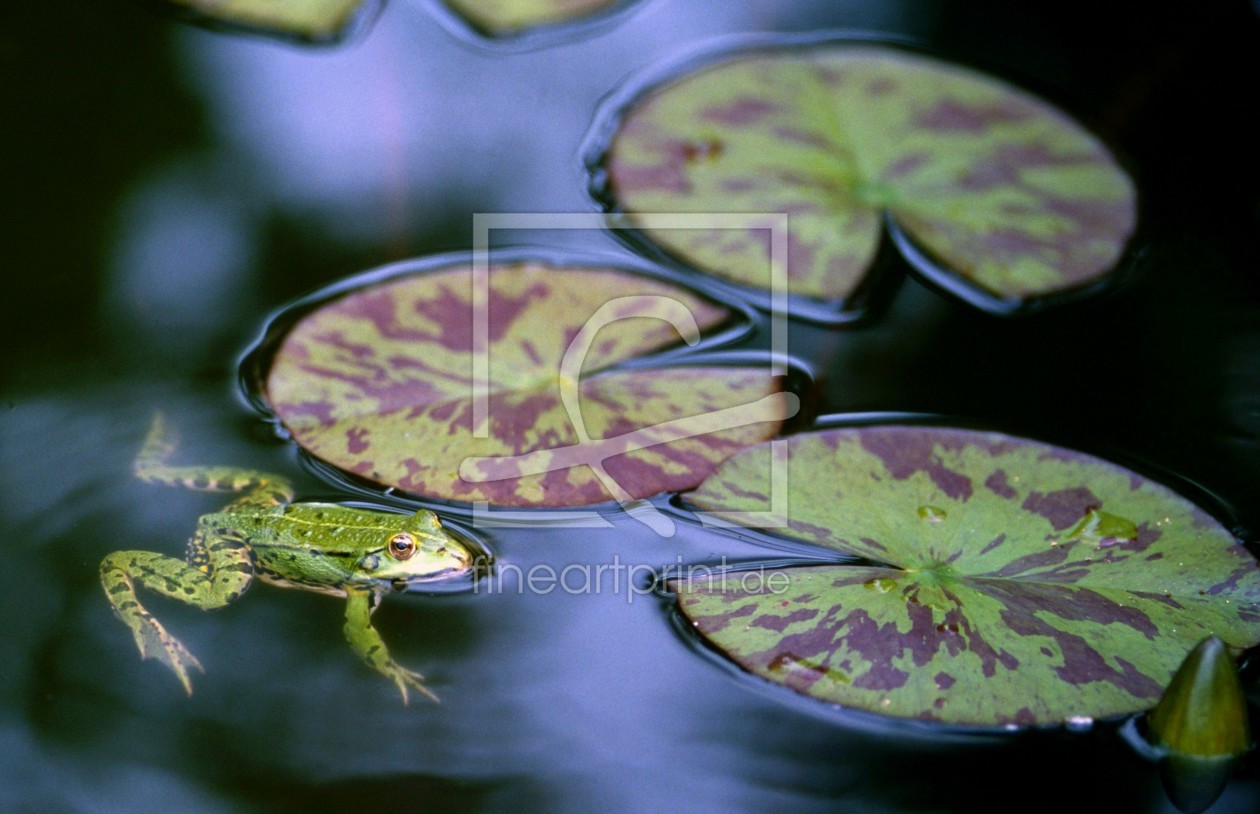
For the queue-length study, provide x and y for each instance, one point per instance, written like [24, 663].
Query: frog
[359, 554]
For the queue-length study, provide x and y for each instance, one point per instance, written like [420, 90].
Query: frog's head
[415, 549]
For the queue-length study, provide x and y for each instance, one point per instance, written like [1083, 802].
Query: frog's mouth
[402, 583]
[460, 576]
[437, 577]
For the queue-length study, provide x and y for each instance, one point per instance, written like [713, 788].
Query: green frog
[359, 554]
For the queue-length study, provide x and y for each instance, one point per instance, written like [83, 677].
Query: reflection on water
[210, 179]
[184, 258]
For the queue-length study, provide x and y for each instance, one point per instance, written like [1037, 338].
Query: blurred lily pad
[498, 18]
[990, 191]
[395, 382]
[1002, 581]
[314, 20]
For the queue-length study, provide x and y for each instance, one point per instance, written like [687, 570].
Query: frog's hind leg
[262, 489]
[220, 572]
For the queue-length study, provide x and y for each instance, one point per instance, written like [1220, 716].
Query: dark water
[165, 188]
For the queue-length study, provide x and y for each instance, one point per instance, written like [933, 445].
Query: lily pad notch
[1003, 581]
[986, 190]
[376, 379]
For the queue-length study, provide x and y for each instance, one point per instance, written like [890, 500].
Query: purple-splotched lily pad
[312, 20]
[382, 383]
[1003, 197]
[499, 18]
[1008, 581]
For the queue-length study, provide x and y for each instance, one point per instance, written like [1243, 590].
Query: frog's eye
[402, 546]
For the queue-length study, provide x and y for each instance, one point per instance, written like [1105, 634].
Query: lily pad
[993, 192]
[1004, 581]
[315, 20]
[381, 382]
[497, 18]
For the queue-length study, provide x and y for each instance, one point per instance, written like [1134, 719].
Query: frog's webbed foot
[404, 678]
[367, 643]
[156, 643]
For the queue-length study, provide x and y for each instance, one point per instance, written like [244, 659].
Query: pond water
[167, 188]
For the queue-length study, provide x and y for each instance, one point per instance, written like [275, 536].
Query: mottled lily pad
[992, 187]
[498, 18]
[380, 382]
[316, 20]
[1005, 581]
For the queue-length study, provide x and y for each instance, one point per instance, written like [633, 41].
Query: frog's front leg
[367, 643]
[224, 571]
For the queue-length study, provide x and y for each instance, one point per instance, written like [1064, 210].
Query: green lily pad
[497, 18]
[316, 20]
[381, 382]
[1000, 195]
[1005, 581]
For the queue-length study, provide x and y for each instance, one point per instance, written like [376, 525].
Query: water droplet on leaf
[1102, 529]
[883, 585]
[932, 514]
[702, 150]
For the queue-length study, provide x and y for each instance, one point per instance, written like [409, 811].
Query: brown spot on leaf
[637, 178]
[906, 452]
[356, 440]
[906, 165]
[294, 412]
[781, 623]
[1024, 717]
[1245, 569]
[999, 484]
[740, 112]
[992, 544]
[1036, 564]
[808, 138]
[880, 86]
[952, 116]
[712, 624]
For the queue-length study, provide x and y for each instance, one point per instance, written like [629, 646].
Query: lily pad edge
[1216, 506]
[852, 718]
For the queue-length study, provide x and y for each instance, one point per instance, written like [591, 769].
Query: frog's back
[299, 521]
